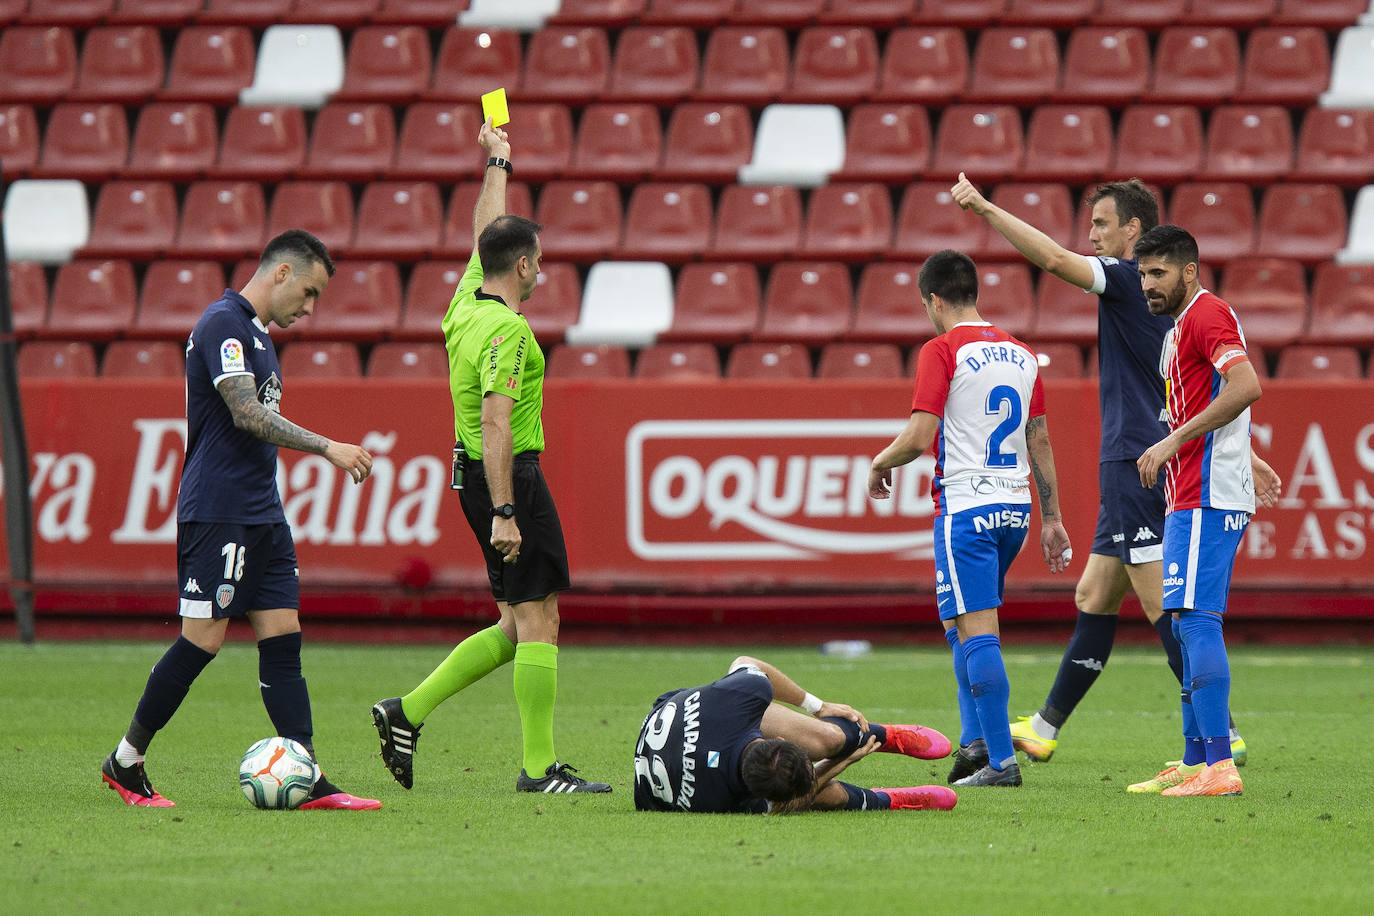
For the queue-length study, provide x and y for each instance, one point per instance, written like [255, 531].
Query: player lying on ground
[728, 747]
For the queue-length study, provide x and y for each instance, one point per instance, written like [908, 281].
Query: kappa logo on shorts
[223, 595]
[1145, 534]
[192, 587]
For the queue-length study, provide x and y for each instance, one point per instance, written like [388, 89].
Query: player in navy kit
[730, 747]
[235, 555]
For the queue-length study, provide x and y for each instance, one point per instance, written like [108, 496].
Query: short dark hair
[505, 241]
[1133, 198]
[952, 276]
[299, 246]
[1171, 243]
[777, 770]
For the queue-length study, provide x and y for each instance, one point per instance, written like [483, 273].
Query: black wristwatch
[501, 164]
[506, 511]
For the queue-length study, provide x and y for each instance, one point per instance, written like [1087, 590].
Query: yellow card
[494, 107]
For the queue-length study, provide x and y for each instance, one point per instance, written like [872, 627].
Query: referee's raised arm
[491, 202]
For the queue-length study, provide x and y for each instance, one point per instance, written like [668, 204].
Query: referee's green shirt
[492, 349]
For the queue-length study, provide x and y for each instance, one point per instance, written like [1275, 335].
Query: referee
[496, 376]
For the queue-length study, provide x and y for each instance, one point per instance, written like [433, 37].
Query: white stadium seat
[796, 145]
[45, 221]
[626, 303]
[1359, 247]
[1352, 69]
[297, 65]
[523, 15]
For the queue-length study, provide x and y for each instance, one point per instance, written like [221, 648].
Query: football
[277, 773]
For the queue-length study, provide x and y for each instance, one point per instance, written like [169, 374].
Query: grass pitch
[1301, 839]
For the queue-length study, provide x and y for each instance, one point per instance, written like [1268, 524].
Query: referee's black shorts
[542, 567]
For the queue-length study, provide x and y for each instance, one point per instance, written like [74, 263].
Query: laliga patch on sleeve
[231, 357]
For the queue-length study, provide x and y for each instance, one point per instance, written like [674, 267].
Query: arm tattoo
[1035, 430]
[251, 416]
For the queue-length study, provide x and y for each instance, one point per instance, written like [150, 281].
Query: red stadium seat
[656, 65]
[120, 64]
[387, 63]
[346, 14]
[967, 14]
[596, 361]
[689, 13]
[1047, 207]
[174, 295]
[222, 220]
[546, 140]
[746, 64]
[860, 360]
[706, 142]
[1059, 360]
[928, 220]
[877, 14]
[567, 64]
[396, 360]
[81, 14]
[176, 141]
[1324, 14]
[84, 140]
[1195, 64]
[790, 14]
[133, 219]
[457, 240]
[1335, 145]
[1240, 14]
[885, 141]
[834, 64]
[667, 221]
[18, 140]
[162, 13]
[92, 300]
[1342, 305]
[581, 220]
[887, 305]
[56, 360]
[1252, 143]
[427, 296]
[619, 141]
[362, 302]
[1220, 215]
[1323, 363]
[807, 302]
[304, 359]
[211, 64]
[1270, 295]
[1154, 15]
[436, 142]
[1017, 65]
[11, 11]
[1306, 222]
[322, 208]
[1071, 143]
[472, 61]
[925, 65]
[686, 362]
[603, 13]
[144, 359]
[1059, 14]
[1285, 65]
[257, 14]
[1005, 296]
[768, 361]
[847, 222]
[983, 140]
[1064, 313]
[433, 14]
[556, 303]
[37, 64]
[715, 303]
[265, 143]
[400, 220]
[1106, 65]
[355, 141]
[757, 223]
[1159, 143]
[28, 297]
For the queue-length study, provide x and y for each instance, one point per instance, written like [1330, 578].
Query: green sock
[536, 684]
[473, 659]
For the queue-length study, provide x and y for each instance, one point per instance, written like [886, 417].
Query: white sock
[1042, 728]
[127, 755]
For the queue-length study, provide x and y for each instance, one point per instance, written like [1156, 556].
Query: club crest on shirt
[231, 357]
[223, 595]
[269, 393]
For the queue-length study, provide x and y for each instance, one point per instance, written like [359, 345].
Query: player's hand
[863, 750]
[842, 711]
[967, 196]
[879, 483]
[494, 140]
[505, 537]
[1153, 460]
[354, 459]
[1268, 486]
[1054, 544]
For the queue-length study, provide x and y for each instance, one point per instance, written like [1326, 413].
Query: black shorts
[226, 569]
[1130, 518]
[543, 564]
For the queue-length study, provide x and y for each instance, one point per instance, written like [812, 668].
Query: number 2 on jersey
[1003, 394]
[653, 770]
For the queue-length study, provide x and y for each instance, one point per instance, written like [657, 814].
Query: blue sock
[861, 799]
[1194, 751]
[877, 731]
[1211, 671]
[987, 676]
[284, 691]
[969, 728]
[1084, 658]
[853, 735]
[167, 686]
[1164, 626]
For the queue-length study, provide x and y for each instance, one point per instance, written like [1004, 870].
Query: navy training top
[1130, 340]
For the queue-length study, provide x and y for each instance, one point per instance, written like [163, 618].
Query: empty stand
[1058, 14]
[706, 142]
[1306, 222]
[1325, 14]
[1270, 295]
[887, 305]
[968, 14]
[174, 295]
[85, 140]
[879, 14]
[847, 222]
[1239, 14]
[659, 65]
[667, 222]
[556, 303]
[1105, 65]
[387, 63]
[355, 141]
[1323, 363]
[297, 65]
[1285, 66]
[222, 220]
[1047, 207]
[985, 141]
[796, 144]
[472, 61]
[28, 297]
[1071, 143]
[42, 359]
[1159, 143]
[603, 13]
[925, 65]
[361, 302]
[1336, 145]
[1359, 246]
[860, 360]
[457, 240]
[747, 64]
[690, 13]
[18, 140]
[400, 220]
[45, 221]
[1063, 313]
[258, 14]
[1220, 215]
[37, 64]
[781, 361]
[886, 141]
[397, 360]
[81, 14]
[1195, 64]
[92, 300]
[428, 293]
[588, 361]
[1252, 143]
[581, 219]
[346, 14]
[143, 359]
[757, 223]
[624, 303]
[929, 220]
[305, 359]
[163, 13]
[436, 142]
[1058, 360]
[322, 208]
[546, 140]
[211, 63]
[1343, 305]
[567, 64]
[685, 362]
[176, 141]
[834, 64]
[619, 141]
[1013, 65]
[262, 142]
[806, 302]
[1005, 296]
[434, 14]
[1154, 15]
[120, 64]
[786, 13]
[133, 219]
[715, 303]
